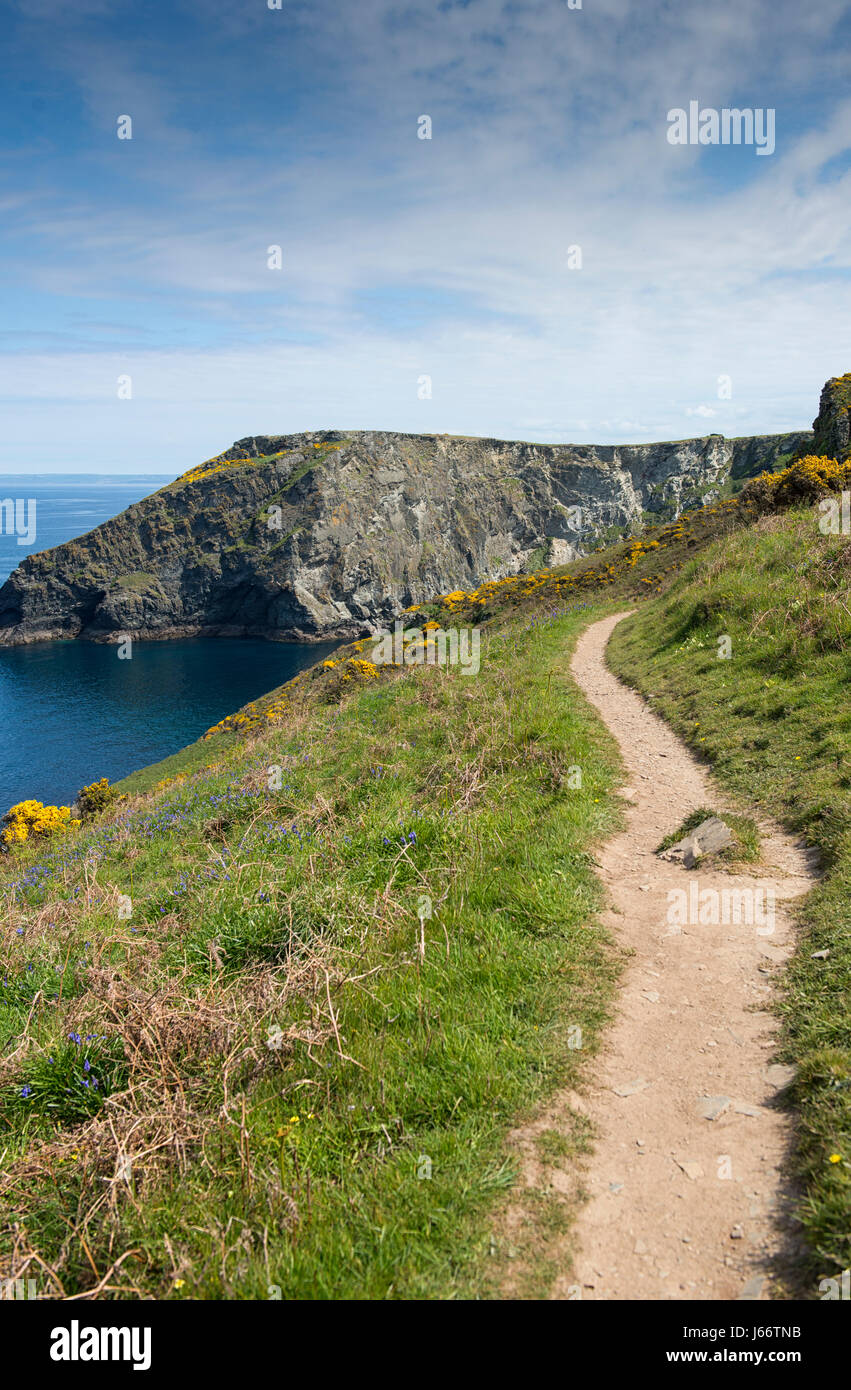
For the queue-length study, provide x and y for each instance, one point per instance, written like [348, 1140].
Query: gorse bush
[806, 480]
[95, 798]
[29, 818]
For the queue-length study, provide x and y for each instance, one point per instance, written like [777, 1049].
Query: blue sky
[404, 258]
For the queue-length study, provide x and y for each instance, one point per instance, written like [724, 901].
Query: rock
[365, 524]
[741, 1107]
[820, 955]
[776, 953]
[631, 1088]
[752, 1290]
[711, 836]
[710, 1107]
[737, 1233]
[780, 1075]
[832, 425]
[692, 1170]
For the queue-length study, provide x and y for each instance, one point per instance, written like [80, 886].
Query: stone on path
[709, 837]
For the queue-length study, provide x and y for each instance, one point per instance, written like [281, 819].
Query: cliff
[331, 534]
[832, 425]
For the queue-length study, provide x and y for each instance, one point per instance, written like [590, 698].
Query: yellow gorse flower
[28, 818]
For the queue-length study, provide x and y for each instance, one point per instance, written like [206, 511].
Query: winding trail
[686, 1191]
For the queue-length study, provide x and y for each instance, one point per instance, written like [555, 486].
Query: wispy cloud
[402, 257]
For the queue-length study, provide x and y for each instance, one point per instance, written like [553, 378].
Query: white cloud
[557, 137]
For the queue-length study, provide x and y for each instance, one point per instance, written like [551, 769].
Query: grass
[139, 581]
[774, 721]
[306, 1081]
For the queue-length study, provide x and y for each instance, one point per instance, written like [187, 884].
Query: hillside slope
[289, 1070]
[363, 921]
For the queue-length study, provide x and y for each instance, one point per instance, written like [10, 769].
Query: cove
[71, 712]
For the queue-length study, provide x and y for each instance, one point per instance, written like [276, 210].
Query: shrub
[28, 818]
[95, 798]
[360, 671]
[806, 480]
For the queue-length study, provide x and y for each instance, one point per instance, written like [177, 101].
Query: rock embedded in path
[741, 1107]
[631, 1088]
[710, 1107]
[779, 1074]
[710, 837]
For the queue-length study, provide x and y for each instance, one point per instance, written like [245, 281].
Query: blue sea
[71, 712]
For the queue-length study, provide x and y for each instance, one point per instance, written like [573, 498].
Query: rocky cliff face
[832, 425]
[329, 534]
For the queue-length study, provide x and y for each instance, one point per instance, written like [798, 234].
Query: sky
[423, 285]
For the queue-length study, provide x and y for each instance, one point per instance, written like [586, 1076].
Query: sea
[71, 712]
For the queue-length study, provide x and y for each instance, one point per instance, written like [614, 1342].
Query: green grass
[139, 581]
[194, 758]
[774, 720]
[364, 1153]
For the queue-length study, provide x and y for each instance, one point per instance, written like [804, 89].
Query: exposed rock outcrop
[832, 425]
[330, 534]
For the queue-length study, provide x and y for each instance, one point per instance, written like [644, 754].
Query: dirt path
[686, 1189]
